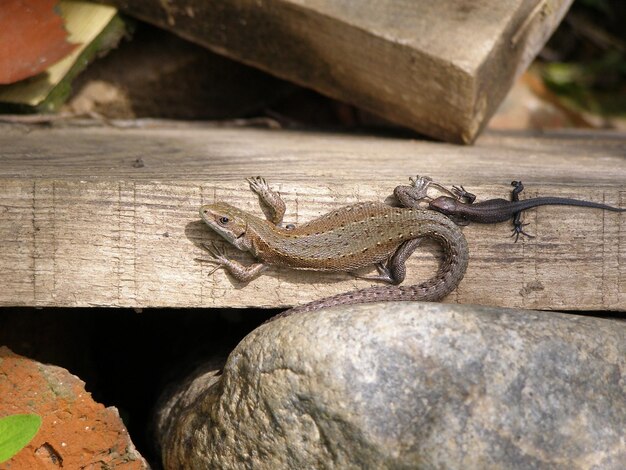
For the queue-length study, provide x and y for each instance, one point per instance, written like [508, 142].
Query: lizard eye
[224, 220]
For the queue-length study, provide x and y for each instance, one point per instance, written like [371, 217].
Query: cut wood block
[440, 68]
[108, 216]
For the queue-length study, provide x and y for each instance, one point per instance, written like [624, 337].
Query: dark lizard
[497, 210]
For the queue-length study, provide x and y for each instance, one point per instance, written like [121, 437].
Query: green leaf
[16, 431]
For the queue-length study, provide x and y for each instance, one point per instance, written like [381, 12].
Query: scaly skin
[448, 276]
[497, 210]
[493, 211]
[346, 239]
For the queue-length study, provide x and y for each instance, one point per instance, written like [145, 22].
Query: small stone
[409, 385]
[76, 432]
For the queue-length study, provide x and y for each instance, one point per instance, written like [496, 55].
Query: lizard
[497, 210]
[343, 240]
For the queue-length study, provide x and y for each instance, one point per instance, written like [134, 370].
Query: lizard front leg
[518, 187]
[272, 204]
[412, 196]
[422, 183]
[237, 270]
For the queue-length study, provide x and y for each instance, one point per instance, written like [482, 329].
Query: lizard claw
[420, 184]
[461, 193]
[217, 256]
[519, 230]
[216, 263]
[215, 268]
[214, 250]
[420, 180]
[257, 184]
[383, 274]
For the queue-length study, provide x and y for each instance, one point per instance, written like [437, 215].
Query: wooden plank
[440, 68]
[82, 223]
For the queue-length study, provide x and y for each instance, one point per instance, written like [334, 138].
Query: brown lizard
[346, 239]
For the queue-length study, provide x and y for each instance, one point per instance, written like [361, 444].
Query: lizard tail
[449, 274]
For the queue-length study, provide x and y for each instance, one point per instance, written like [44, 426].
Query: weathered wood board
[440, 67]
[83, 222]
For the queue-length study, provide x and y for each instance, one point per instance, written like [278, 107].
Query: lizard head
[226, 220]
[444, 204]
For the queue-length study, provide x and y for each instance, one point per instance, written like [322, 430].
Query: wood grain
[105, 216]
[441, 68]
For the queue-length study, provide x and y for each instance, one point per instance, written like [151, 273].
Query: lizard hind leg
[396, 264]
[384, 274]
[394, 271]
[518, 227]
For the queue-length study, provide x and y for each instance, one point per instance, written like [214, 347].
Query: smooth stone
[409, 385]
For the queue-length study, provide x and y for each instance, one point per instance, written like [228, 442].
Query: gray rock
[410, 385]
